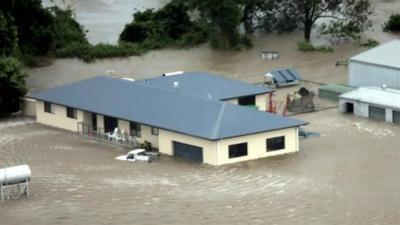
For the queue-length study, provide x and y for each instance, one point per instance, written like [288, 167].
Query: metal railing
[100, 135]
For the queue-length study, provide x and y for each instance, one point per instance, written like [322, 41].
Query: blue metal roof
[170, 110]
[206, 85]
[285, 75]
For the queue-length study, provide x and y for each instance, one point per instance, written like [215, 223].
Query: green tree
[393, 24]
[67, 31]
[170, 25]
[348, 18]
[34, 25]
[344, 18]
[223, 17]
[8, 35]
[12, 85]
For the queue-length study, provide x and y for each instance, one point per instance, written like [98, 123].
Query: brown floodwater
[349, 175]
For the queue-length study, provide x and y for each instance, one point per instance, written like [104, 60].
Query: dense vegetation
[12, 85]
[393, 24]
[181, 23]
[308, 47]
[344, 18]
[168, 26]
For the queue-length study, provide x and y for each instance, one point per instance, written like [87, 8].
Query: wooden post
[2, 192]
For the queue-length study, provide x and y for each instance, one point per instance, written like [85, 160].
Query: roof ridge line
[218, 120]
[180, 92]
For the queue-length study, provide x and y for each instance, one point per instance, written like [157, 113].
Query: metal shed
[282, 77]
[332, 91]
[378, 103]
[377, 66]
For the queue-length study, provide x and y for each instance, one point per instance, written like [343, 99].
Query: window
[276, 143]
[154, 131]
[72, 113]
[135, 129]
[48, 107]
[248, 100]
[237, 150]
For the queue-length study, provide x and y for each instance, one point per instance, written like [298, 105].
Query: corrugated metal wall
[361, 74]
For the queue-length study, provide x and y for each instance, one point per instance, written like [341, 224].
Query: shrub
[370, 43]
[168, 26]
[305, 46]
[393, 24]
[12, 85]
[89, 53]
[135, 32]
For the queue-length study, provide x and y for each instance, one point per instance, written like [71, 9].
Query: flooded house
[198, 117]
[379, 103]
[376, 67]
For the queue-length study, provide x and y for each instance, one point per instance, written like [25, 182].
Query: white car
[136, 155]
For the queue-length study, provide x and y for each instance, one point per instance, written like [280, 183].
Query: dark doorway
[110, 123]
[94, 121]
[349, 107]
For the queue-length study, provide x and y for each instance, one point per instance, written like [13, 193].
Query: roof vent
[176, 84]
[127, 78]
[384, 86]
[172, 73]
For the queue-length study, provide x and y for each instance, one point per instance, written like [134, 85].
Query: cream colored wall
[124, 125]
[261, 101]
[256, 145]
[28, 107]
[100, 122]
[167, 137]
[145, 132]
[87, 118]
[217, 152]
[58, 118]
[146, 135]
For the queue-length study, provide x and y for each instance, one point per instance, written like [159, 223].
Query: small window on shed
[275, 144]
[48, 107]
[237, 150]
[72, 113]
[248, 100]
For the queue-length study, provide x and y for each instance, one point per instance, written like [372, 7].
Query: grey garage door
[189, 152]
[396, 117]
[376, 113]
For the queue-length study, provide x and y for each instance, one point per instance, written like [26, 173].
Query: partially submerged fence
[114, 137]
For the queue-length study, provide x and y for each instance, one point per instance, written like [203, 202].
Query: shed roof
[170, 110]
[206, 85]
[285, 75]
[387, 54]
[336, 88]
[375, 95]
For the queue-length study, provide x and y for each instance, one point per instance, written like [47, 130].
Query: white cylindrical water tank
[15, 175]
